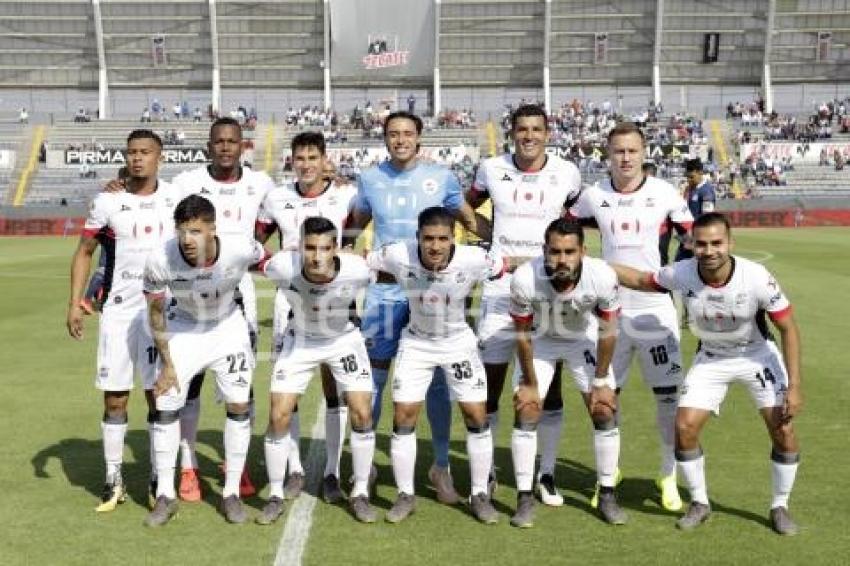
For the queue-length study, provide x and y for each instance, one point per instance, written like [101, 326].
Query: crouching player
[437, 276]
[321, 288]
[205, 330]
[727, 298]
[565, 307]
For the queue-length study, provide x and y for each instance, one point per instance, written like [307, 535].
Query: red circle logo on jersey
[227, 213]
[529, 196]
[148, 229]
[625, 226]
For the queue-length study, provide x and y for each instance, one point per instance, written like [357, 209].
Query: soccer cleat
[294, 486]
[113, 495]
[524, 516]
[190, 485]
[271, 511]
[152, 485]
[670, 499]
[234, 512]
[547, 492]
[698, 513]
[162, 512]
[482, 509]
[594, 501]
[610, 510]
[403, 507]
[441, 479]
[782, 522]
[331, 492]
[246, 487]
[361, 509]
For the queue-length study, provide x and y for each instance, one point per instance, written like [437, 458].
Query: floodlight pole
[547, 54]
[656, 52]
[326, 69]
[438, 102]
[766, 80]
[215, 95]
[102, 76]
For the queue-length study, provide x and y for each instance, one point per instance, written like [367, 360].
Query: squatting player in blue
[392, 195]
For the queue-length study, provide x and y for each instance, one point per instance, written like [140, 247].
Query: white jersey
[525, 202]
[630, 224]
[201, 294]
[129, 227]
[319, 310]
[286, 207]
[236, 203]
[437, 299]
[728, 319]
[571, 314]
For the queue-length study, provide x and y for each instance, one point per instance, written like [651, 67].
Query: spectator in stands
[82, 115]
[146, 115]
[184, 110]
[198, 115]
[24, 116]
[156, 109]
[411, 103]
[178, 111]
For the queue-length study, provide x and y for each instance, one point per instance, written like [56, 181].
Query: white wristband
[600, 382]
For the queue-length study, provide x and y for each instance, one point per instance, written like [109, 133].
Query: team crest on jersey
[205, 191]
[650, 202]
[605, 204]
[429, 186]
[344, 291]
[169, 202]
[125, 208]
[506, 177]
[553, 180]
[741, 299]
[461, 278]
[251, 190]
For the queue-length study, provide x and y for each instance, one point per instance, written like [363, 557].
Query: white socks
[362, 452]
[113, 444]
[166, 441]
[523, 450]
[403, 455]
[479, 447]
[277, 453]
[606, 448]
[783, 468]
[237, 437]
[692, 470]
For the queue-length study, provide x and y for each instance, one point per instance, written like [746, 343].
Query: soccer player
[321, 288]
[565, 307]
[392, 195]
[236, 192]
[727, 298]
[127, 226]
[205, 330]
[629, 208]
[437, 276]
[701, 199]
[284, 209]
[528, 190]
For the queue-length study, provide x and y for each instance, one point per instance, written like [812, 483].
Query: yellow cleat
[113, 496]
[618, 478]
[670, 499]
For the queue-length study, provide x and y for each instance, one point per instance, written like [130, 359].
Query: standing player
[555, 302]
[236, 192]
[321, 288]
[701, 199]
[392, 195]
[284, 209]
[629, 209]
[205, 330]
[727, 298]
[127, 225]
[437, 276]
[528, 190]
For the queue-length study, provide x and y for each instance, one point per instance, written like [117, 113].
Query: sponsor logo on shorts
[480, 384]
[691, 294]
[118, 299]
[674, 369]
[241, 381]
[103, 372]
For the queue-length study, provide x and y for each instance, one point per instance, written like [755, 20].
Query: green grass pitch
[51, 461]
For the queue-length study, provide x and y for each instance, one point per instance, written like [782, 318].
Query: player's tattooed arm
[156, 317]
[80, 267]
[527, 395]
[790, 336]
[473, 222]
[635, 279]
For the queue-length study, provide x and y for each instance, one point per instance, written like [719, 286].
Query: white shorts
[762, 372]
[223, 347]
[249, 301]
[654, 336]
[458, 356]
[280, 321]
[125, 347]
[578, 355]
[496, 333]
[345, 355]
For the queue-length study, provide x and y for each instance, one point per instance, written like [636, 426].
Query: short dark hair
[226, 121]
[564, 227]
[318, 225]
[711, 219]
[123, 173]
[529, 110]
[625, 128]
[649, 167]
[436, 216]
[402, 114]
[194, 207]
[144, 135]
[309, 139]
[693, 165]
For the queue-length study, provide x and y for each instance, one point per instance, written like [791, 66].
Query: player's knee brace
[239, 417]
[167, 417]
[115, 418]
[400, 430]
